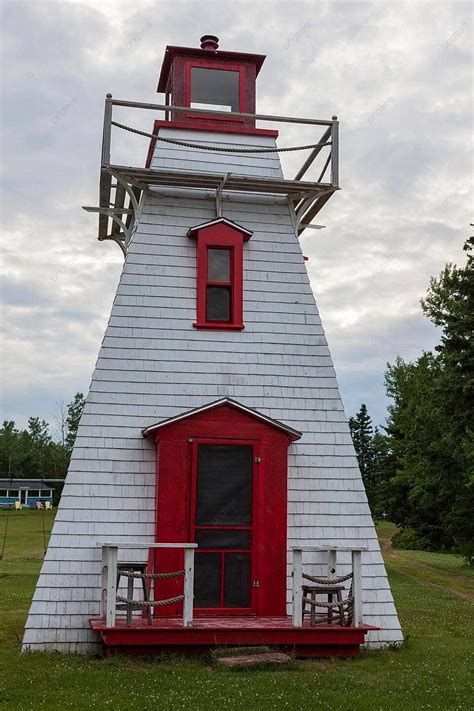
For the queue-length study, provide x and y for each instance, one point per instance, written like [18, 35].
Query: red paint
[175, 498]
[319, 641]
[175, 79]
[174, 52]
[222, 235]
[253, 528]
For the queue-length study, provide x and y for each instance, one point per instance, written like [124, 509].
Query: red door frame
[253, 527]
[174, 450]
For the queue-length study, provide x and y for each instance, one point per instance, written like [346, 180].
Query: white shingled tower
[214, 325]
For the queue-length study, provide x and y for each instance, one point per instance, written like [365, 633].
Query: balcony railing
[117, 218]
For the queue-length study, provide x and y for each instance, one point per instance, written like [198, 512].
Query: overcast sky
[397, 74]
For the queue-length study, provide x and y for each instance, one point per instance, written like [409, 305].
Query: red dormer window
[220, 252]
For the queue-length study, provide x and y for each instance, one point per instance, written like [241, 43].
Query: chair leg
[340, 608]
[313, 609]
[146, 597]
[129, 604]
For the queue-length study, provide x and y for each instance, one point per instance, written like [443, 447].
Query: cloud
[397, 75]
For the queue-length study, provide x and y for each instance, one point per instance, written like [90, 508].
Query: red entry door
[223, 526]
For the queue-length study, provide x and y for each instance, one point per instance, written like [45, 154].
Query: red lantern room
[209, 78]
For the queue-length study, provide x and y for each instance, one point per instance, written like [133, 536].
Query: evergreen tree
[33, 452]
[74, 412]
[362, 433]
[430, 424]
[9, 449]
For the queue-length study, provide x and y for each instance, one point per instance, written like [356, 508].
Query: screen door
[223, 527]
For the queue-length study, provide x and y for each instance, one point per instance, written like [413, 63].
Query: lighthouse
[213, 494]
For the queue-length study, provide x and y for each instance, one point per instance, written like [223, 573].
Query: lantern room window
[216, 86]
[220, 245]
[216, 89]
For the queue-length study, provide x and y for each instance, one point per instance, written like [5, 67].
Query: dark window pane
[3, 492]
[33, 493]
[223, 539]
[215, 89]
[218, 264]
[14, 492]
[207, 580]
[237, 580]
[218, 303]
[224, 485]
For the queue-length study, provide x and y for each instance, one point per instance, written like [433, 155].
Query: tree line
[35, 452]
[418, 469]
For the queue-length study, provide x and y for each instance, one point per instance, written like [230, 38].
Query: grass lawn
[433, 671]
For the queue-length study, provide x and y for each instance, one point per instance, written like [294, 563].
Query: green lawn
[433, 670]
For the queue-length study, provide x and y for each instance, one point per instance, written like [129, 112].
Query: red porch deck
[168, 633]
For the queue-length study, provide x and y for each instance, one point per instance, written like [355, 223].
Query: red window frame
[203, 64]
[252, 551]
[220, 236]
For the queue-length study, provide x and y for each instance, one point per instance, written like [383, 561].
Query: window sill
[219, 326]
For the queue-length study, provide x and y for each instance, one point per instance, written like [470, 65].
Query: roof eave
[294, 434]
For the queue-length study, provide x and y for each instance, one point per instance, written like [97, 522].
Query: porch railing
[109, 577]
[332, 552]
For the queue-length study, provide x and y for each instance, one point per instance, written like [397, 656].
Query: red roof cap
[171, 52]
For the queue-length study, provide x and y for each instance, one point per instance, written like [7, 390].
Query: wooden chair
[338, 611]
[310, 593]
[133, 571]
[133, 568]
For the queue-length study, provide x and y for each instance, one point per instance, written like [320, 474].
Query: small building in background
[27, 491]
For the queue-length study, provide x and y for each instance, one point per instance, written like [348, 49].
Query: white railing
[109, 577]
[332, 551]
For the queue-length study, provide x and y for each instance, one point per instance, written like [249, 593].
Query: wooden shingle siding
[153, 365]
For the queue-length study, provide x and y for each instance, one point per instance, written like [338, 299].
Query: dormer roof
[295, 434]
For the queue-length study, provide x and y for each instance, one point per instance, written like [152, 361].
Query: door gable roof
[294, 434]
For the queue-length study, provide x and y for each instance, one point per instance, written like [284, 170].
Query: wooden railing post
[357, 586]
[297, 587]
[109, 584]
[188, 587]
[107, 130]
[335, 152]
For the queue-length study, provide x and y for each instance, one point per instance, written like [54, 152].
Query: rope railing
[151, 576]
[329, 605]
[220, 149]
[327, 581]
[144, 604]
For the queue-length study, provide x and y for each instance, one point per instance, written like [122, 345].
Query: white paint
[154, 365]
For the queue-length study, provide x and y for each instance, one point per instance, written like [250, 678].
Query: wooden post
[188, 587]
[335, 152]
[103, 584]
[332, 561]
[109, 583]
[357, 587]
[297, 587]
[106, 134]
